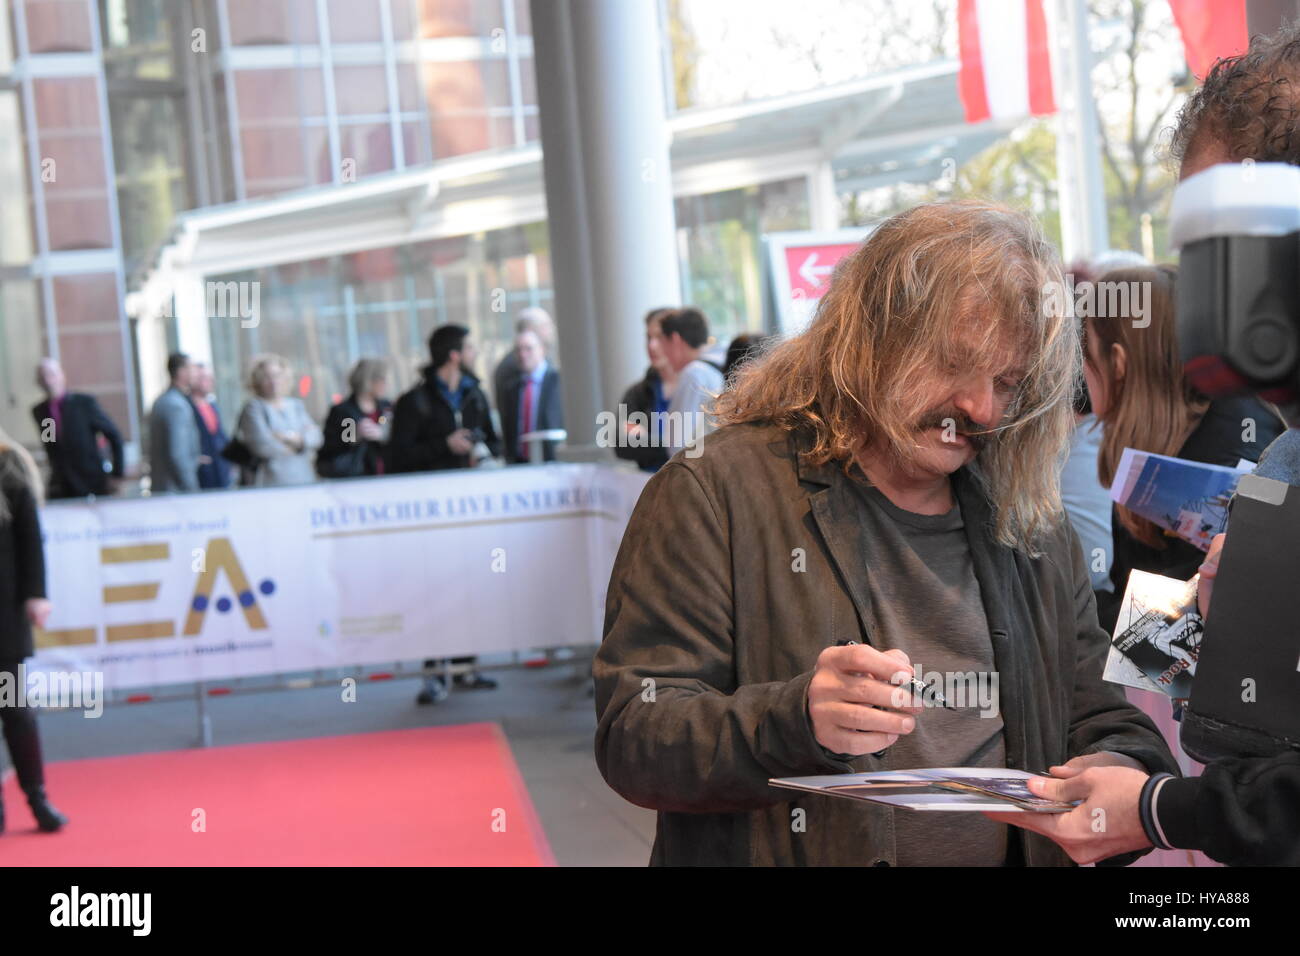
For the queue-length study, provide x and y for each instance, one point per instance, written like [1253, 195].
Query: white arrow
[811, 272]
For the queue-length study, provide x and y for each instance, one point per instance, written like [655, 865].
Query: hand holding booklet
[1157, 638]
[950, 789]
[1188, 499]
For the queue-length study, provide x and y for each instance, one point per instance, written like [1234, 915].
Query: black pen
[916, 686]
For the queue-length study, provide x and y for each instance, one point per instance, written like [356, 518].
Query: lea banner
[179, 588]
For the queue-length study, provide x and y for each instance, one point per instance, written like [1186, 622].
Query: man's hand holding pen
[855, 703]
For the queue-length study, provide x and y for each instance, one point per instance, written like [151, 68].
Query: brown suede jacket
[711, 640]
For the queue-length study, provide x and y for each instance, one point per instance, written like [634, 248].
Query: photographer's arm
[1240, 811]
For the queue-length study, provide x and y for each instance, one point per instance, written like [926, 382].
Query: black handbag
[237, 453]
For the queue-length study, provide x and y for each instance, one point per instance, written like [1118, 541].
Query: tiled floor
[547, 715]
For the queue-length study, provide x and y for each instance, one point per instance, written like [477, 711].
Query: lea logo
[215, 561]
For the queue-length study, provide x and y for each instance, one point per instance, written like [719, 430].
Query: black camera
[1238, 294]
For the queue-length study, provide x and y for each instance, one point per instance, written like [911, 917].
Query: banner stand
[199, 691]
[205, 719]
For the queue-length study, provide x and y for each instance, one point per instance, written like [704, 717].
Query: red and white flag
[1006, 69]
[1211, 29]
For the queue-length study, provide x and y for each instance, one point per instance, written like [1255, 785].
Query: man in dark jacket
[876, 485]
[23, 604]
[439, 424]
[214, 469]
[1243, 811]
[71, 424]
[531, 402]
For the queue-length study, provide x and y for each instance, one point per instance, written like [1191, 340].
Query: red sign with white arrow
[809, 267]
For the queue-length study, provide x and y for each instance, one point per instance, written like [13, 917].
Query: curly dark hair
[1248, 103]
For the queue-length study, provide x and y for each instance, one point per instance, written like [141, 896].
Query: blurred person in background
[175, 447]
[357, 427]
[72, 427]
[275, 427]
[743, 347]
[685, 336]
[649, 397]
[1085, 499]
[1135, 380]
[22, 606]
[214, 469]
[438, 425]
[532, 401]
[536, 320]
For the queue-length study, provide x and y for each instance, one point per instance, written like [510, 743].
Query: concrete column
[608, 195]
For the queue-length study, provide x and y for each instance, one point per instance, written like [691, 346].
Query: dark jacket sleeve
[674, 731]
[338, 458]
[553, 409]
[418, 442]
[407, 451]
[490, 436]
[646, 456]
[28, 550]
[1241, 811]
[102, 424]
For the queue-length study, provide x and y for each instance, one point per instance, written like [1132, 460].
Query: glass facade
[62, 281]
[719, 245]
[117, 116]
[324, 314]
[374, 86]
[171, 105]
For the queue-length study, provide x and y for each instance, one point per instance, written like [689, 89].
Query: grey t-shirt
[926, 601]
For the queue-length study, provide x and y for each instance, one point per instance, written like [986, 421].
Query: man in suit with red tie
[532, 401]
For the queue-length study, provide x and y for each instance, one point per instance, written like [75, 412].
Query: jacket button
[881, 863]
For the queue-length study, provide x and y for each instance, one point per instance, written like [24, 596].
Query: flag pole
[1085, 231]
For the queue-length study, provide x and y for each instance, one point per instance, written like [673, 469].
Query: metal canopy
[899, 126]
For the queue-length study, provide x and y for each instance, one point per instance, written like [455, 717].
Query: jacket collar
[835, 509]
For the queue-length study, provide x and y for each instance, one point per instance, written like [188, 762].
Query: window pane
[256, 22]
[72, 161]
[22, 344]
[17, 244]
[352, 21]
[138, 39]
[360, 90]
[58, 26]
[369, 145]
[149, 157]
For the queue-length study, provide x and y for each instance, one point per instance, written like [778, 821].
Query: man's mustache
[959, 423]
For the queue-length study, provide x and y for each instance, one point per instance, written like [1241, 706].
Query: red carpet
[426, 797]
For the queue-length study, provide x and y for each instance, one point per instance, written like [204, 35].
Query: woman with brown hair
[1134, 374]
[22, 604]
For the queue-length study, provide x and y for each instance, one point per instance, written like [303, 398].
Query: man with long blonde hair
[881, 503]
